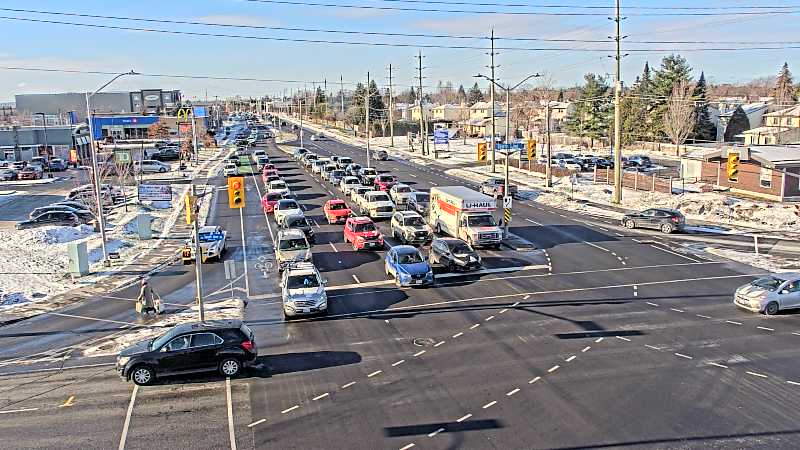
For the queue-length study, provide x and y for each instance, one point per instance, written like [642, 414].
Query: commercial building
[134, 126]
[146, 101]
[21, 143]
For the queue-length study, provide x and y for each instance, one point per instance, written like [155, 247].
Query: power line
[516, 13]
[562, 6]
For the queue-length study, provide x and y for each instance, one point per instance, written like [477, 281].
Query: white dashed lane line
[756, 374]
[287, 410]
[570, 358]
[512, 392]
[463, 418]
[766, 329]
[435, 432]
[490, 404]
[377, 372]
[348, 384]
[552, 369]
[420, 353]
[398, 363]
[257, 422]
[320, 396]
[683, 356]
[722, 366]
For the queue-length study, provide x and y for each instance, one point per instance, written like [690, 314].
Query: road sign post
[191, 217]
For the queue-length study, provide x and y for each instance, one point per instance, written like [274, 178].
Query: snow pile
[221, 310]
[769, 263]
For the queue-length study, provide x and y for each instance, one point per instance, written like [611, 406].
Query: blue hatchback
[407, 266]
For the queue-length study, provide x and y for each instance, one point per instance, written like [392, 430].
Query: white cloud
[481, 24]
[233, 19]
[22, 84]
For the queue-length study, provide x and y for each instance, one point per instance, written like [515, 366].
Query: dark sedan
[63, 218]
[454, 254]
[666, 220]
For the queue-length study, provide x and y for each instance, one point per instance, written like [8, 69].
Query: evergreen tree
[674, 69]
[462, 94]
[592, 113]
[635, 108]
[738, 124]
[475, 94]
[377, 109]
[560, 95]
[412, 96]
[704, 129]
[784, 91]
[356, 113]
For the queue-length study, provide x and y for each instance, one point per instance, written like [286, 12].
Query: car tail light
[248, 345]
[676, 219]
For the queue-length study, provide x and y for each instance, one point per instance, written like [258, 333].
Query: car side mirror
[163, 349]
[324, 281]
[785, 291]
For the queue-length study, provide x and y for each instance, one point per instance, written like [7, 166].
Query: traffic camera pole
[244, 257]
[300, 104]
[366, 109]
[198, 254]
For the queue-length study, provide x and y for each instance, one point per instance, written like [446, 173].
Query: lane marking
[349, 384]
[257, 422]
[68, 402]
[512, 392]
[795, 333]
[457, 335]
[356, 278]
[534, 380]
[407, 446]
[463, 418]
[490, 404]
[128, 414]
[652, 304]
[287, 410]
[674, 253]
[552, 369]
[732, 322]
[489, 318]
[420, 352]
[333, 247]
[652, 346]
[534, 222]
[793, 383]
[683, 356]
[231, 432]
[398, 363]
[11, 411]
[474, 326]
[766, 329]
[513, 305]
[585, 349]
[570, 358]
[718, 365]
[623, 338]
[756, 374]
[596, 246]
[436, 432]
[704, 317]
[677, 310]
[503, 310]
[377, 372]
[438, 343]
[320, 396]
[599, 339]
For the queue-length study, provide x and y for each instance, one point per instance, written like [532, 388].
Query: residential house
[482, 110]
[448, 113]
[755, 115]
[415, 112]
[780, 127]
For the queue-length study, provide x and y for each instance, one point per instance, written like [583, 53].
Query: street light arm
[536, 75]
[112, 80]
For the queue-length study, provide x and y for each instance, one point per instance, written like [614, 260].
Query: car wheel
[451, 267]
[230, 367]
[162, 170]
[142, 375]
[630, 224]
[771, 309]
[397, 282]
[666, 228]
[355, 247]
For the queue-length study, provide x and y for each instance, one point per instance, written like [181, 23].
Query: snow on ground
[767, 262]
[220, 310]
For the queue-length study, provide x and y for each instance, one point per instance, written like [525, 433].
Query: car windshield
[351, 181]
[296, 222]
[461, 249]
[379, 198]
[337, 173]
[368, 171]
[481, 221]
[768, 283]
[302, 281]
[403, 189]
[409, 258]
[293, 244]
[422, 198]
[334, 206]
[291, 204]
[362, 227]
[210, 236]
[273, 197]
[278, 185]
[415, 221]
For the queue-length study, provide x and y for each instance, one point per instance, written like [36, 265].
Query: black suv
[666, 220]
[224, 346]
[454, 254]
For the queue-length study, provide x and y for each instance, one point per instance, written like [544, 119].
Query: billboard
[155, 192]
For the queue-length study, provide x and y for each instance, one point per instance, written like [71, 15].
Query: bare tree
[679, 118]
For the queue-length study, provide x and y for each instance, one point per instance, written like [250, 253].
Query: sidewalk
[137, 258]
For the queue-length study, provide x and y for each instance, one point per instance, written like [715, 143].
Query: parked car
[8, 174]
[150, 166]
[167, 154]
[84, 214]
[408, 267]
[770, 294]
[454, 254]
[225, 346]
[269, 200]
[30, 172]
[570, 164]
[384, 182]
[666, 220]
[410, 228]
[336, 211]
[400, 193]
[638, 161]
[419, 202]
[291, 246]
[362, 233]
[285, 208]
[303, 290]
[61, 218]
[299, 222]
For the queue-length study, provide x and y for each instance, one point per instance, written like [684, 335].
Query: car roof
[450, 241]
[786, 276]
[287, 200]
[301, 268]
[408, 213]
[373, 191]
[208, 325]
[335, 200]
[291, 233]
[360, 219]
[405, 249]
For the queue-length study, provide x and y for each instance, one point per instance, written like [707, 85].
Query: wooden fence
[635, 180]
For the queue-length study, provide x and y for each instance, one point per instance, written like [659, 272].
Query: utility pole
[391, 109]
[198, 254]
[491, 95]
[325, 95]
[548, 169]
[617, 119]
[300, 105]
[366, 108]
[341, 91]
[422, 134]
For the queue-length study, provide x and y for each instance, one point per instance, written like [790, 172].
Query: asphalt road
[603, 337]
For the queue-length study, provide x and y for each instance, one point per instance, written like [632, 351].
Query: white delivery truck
[464, 214]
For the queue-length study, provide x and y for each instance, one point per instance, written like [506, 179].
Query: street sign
[507, 201]
[514, 146]
[441, 136]
[507, 216]
[155, 192]
[122, 156]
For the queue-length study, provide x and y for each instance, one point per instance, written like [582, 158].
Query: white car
[770, 294]
[212, 242]
[400, 192]
[278, 187]
[231, 170]
[319, 165]
[303, 290]
[358, 192]
[347, 184]
[286, 207]
[569, 164]
[377, 205]
[150, 166]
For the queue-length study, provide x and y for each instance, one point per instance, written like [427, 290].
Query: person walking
[147, 299]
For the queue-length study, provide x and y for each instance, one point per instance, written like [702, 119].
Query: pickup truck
[376, 205]
[495, 187]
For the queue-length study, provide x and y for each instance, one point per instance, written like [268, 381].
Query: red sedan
[336, 211]
[269, 201]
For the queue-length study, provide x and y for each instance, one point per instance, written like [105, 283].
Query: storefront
[122, 127]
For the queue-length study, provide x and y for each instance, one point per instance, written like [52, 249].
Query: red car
[385, 182]
[362, 233]
[269, 166]
[269, 201]
[265, 175]
[336, 211]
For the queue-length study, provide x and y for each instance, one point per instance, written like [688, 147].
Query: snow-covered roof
[768, 130]
[793, 111]
[748, 108]
[776, 154]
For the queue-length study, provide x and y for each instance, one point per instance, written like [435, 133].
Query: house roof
[768, 130]
[776, 154]
[748, 108]
[794, 111]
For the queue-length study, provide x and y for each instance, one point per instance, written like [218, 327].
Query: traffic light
[189, 202]
[236, 192]
[531, 148]
[733, 166]
[481, 151]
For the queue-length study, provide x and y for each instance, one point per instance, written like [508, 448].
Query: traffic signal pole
[244, 256]
[198, 254]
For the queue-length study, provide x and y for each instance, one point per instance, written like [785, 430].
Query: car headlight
[123, 360]
[360, 238]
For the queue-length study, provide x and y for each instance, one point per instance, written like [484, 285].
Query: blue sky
[61, 46]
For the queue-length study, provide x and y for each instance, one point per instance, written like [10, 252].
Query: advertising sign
[155, 192]
[440, 136]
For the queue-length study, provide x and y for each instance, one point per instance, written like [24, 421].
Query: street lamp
[100, 219]
[46, 151]
[508, 90]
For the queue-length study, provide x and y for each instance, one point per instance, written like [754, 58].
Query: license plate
[417, 282]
